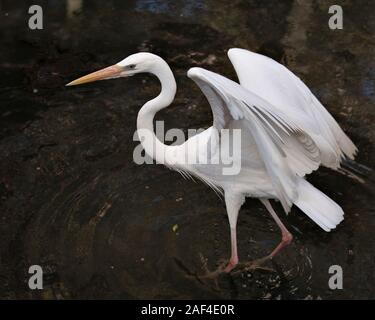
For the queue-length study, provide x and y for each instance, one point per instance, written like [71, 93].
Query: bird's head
[136, 63]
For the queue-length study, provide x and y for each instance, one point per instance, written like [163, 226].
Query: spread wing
[286, 150]
[268, 78]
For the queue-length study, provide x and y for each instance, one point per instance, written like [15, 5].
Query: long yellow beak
[106, 73]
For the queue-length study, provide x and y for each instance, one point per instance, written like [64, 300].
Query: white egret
[286, 133]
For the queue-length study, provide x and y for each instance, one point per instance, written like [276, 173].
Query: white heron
[286, 133]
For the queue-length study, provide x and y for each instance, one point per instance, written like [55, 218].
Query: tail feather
[318, 207]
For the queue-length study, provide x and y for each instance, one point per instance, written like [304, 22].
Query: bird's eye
[131, 66]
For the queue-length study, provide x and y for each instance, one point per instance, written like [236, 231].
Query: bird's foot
[253, 265]
[233, 267]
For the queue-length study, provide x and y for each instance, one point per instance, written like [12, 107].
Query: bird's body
[283, 130]
[251, 168]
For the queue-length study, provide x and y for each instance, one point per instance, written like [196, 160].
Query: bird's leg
[233, 261]
[286, 236]
[233, 204]
[285, 239]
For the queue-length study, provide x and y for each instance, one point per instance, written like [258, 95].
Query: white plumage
[286, 133]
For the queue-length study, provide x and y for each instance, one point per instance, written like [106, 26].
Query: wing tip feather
[194, 72]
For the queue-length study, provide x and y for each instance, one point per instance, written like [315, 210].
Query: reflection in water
[185, 8]
[155, 6]
[368, 86]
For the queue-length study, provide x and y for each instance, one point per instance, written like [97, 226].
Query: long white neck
[145, 124]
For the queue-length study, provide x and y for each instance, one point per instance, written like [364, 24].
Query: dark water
[73, 201]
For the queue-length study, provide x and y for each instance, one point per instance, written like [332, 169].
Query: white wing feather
[285, 91]
[285, 148]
